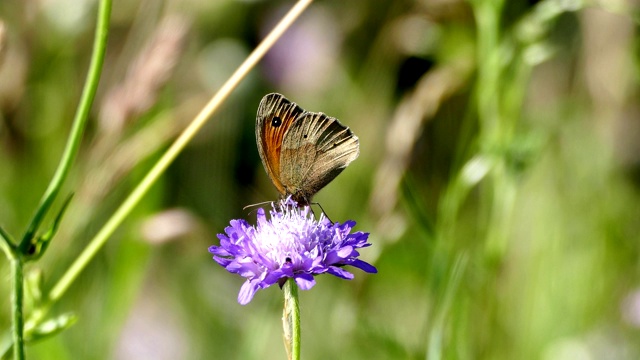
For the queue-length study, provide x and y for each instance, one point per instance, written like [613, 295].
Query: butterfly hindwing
[316, 148]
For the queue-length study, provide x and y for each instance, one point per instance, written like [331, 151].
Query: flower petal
[336, 256]
[363, 265]
[305, 281]
[224, 262]
[247, 291]
[219, 250]
[340, 272]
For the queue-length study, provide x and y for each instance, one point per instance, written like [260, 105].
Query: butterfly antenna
[324, 212]
[256, 204]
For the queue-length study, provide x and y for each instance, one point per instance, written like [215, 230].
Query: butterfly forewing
[275, 116]
[315, 150]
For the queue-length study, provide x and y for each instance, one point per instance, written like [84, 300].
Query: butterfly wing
[275, 116]
[316, 148]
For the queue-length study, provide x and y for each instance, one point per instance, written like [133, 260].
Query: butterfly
[301, 151]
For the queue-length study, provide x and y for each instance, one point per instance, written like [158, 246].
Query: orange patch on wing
[273, 138]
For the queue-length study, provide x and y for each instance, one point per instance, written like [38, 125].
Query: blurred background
[499, 174]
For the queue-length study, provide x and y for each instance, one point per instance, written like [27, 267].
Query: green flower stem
[79, 124]
[167, 158]
[16, 307]
[291, 320]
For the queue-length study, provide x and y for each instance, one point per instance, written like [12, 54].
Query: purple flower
[292, 244]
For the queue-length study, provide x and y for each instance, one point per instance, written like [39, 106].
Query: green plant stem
[291, 320]
[438, 329]
[79, 124]
[167, 158]
[16, 308]
[487, 14]
[69, 154]
[496, 128]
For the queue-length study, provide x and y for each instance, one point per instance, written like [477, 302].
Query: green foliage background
[498, 175]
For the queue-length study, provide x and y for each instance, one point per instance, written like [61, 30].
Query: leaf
[33, 283]
[43, 331]
[51, 327]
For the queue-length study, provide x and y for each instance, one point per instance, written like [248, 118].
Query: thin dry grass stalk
[3, 41]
